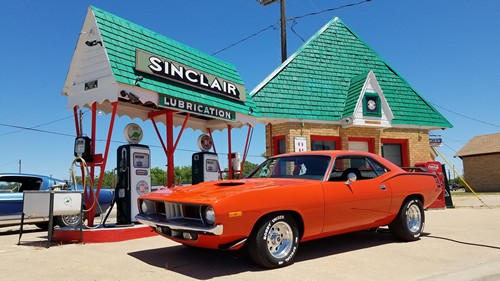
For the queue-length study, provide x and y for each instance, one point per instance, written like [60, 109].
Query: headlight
[144, 207]
[209, 215]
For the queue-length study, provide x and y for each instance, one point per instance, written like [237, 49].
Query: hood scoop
[229, 183]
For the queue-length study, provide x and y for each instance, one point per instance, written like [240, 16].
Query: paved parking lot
[459, 244]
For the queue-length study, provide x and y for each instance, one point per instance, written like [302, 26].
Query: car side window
[364, 168]
[9, 186]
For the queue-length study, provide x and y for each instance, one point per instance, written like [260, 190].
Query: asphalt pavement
[461, 243]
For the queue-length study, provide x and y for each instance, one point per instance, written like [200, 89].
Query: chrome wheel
[414, 218]
[408, 225]
[67, 220]
[279, 240]
[274, 241]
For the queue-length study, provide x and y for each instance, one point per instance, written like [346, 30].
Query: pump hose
[84, 179]
[461, 178]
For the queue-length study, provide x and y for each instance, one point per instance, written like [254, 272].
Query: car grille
[176, 211]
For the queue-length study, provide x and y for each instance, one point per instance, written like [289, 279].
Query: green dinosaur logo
[136, 135]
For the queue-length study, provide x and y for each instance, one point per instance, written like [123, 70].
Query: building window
[325, 143]
[279, 146]
[396, 151]
[371, 105]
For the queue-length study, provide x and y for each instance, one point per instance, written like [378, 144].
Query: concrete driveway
[459, 244]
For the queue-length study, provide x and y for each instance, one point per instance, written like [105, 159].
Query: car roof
[336, 153]
[332, 153]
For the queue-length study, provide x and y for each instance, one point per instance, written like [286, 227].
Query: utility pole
[283, 30]
[284, 55]
[19, 165]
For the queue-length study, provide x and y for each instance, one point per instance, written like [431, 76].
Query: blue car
[12, 187]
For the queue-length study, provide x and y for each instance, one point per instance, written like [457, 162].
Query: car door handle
[383, 187]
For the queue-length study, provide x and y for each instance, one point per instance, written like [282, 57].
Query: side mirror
[351, 177]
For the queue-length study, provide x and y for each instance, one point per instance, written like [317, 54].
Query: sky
[447, 50]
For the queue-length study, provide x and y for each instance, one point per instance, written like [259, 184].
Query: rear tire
[409, 223]
[275, 241]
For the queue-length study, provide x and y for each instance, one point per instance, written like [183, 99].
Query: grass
[465, 194]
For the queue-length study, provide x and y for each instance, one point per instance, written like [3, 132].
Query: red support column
[159, 136]
[245, 152]
[181, 131]
[89, 196]
[230, 167]
[170, 149]
[105, 159]
[92, 149]
[77, 123]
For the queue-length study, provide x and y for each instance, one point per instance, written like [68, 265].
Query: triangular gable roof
[314, 82]
[355, 87]
[106, 53]
[485, 144]
[353, 109]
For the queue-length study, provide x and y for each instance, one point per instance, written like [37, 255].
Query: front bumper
[180, 226]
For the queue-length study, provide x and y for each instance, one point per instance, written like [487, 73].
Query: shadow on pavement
[207, 264]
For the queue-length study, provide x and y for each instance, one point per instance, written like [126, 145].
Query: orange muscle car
[293, 198]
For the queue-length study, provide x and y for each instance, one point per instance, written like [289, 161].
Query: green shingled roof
[318, 82]
[121, 39]
[355, 86]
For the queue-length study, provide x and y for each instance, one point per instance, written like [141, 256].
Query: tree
[183, 174]
[108, 181]
[158, 176]
[249, 167]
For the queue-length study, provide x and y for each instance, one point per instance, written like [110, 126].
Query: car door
[11, 196]
[359, 204]
[11, 200]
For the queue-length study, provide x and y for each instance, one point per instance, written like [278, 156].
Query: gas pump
[83, 148]
[133, 175]
[205, 165]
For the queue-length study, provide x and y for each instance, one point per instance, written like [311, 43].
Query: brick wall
[418, 140]
[482, 172]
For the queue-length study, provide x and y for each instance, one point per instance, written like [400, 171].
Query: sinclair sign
[175, 71]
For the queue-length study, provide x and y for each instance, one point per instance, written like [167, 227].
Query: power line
[244, 39]
[329, 10]
[97, 140]
[465, 116]
[8, 163]
[289, 19]
[31, 128]
[36, 130]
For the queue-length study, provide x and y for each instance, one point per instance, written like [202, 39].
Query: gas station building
[335, 92]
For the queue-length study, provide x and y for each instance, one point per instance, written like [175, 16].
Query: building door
[279, 146]
[359, 145]
[393, 153]
[396, 151]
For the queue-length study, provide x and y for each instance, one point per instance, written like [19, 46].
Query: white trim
[358, 118]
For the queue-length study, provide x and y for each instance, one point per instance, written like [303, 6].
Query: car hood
[214, 191]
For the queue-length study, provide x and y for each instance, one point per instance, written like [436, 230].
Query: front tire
[275, 241]
[410, 221]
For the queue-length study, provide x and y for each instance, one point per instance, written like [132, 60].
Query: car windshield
[298, 166]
